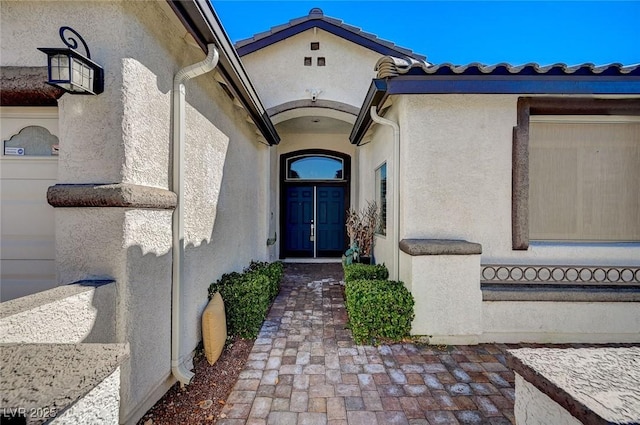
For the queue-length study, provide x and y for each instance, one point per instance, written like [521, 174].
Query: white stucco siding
[456, 180]
[227, 207]
[456, 168]
[371, 156]
[291, 142]
[124, 135]
[279, 74]
[124, 131]
[92, 151]
[560, 322]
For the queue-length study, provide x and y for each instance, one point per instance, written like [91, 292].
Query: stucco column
[113, 215]
[444, 279]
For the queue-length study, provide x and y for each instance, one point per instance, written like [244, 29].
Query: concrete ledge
[26, 86]
[117, 195]
[415, 247]
[46, 379]
[595, 385]
[79, 312]
[554, 292]
[22, 304]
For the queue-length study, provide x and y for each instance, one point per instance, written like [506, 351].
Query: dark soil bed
[203, 399]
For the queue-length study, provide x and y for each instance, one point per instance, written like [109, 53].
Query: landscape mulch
[203, 399]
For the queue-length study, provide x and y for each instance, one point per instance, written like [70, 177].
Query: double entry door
[315, 221]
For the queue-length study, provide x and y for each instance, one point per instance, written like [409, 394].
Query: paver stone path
[305, 369]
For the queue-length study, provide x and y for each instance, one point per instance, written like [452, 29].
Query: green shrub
[378, 309]
[358, 271]
[247, 296]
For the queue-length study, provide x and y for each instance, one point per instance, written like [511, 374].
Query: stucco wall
[371, 156]
[279, 74]
[123, 135]
[447, 297]
[66, 314]
[456, 184]
[560, 322]
[456, 180]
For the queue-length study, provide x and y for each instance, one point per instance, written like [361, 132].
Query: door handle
[312, 235]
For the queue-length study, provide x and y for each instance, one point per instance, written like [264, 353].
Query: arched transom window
[315, 167]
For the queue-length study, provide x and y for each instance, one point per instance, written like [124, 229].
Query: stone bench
[576, 386]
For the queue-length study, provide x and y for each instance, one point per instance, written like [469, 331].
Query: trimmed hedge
[378, 309]
[357, 271]
[247, 296]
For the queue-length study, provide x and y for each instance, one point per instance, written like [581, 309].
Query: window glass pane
[315, 168]
[583, 180]
[381, 198]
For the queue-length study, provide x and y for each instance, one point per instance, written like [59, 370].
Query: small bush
[247, 296]
[378, 309]
[358, 271]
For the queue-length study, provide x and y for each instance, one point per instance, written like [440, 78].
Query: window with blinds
[381, 198]
[584, 178]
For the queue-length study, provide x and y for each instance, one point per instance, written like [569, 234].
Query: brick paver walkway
[305, 369]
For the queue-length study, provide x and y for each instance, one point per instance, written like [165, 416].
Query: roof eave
[244, 47]
[202, 22]
[376, 95]
[381, 89]
[514, 84]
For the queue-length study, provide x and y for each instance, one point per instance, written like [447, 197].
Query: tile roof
[390, 66]
[316, 18]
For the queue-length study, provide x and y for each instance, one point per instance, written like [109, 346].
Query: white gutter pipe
[396, 185]
[178, 117]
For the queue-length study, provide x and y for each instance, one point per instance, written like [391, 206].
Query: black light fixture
[72, 71]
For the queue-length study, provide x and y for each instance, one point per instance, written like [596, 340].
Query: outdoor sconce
[71, 71]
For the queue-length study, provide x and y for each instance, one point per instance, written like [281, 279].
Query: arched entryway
[314, 188]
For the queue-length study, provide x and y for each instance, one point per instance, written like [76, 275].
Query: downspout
[178, 117]
[396, 185]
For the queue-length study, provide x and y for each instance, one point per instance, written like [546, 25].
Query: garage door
[28, 166]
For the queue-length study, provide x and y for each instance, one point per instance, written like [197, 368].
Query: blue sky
[461, 32]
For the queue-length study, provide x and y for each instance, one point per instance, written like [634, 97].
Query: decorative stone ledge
[562, 293]
[40, 381]
[415, 247]
[595, 385]
[117, 195]
[26, 86]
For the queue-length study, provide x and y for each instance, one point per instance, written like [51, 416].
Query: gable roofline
[397, 76]
[202, 22]
[316, 19]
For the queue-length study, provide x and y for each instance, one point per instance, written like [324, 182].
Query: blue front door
[315, 221]
[330, 221]
[299, 242]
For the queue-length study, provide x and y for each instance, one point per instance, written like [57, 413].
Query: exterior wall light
[72, 71]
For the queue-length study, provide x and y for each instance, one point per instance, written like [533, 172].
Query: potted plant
[361, 227]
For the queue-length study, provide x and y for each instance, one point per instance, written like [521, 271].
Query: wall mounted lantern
[72, 71]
